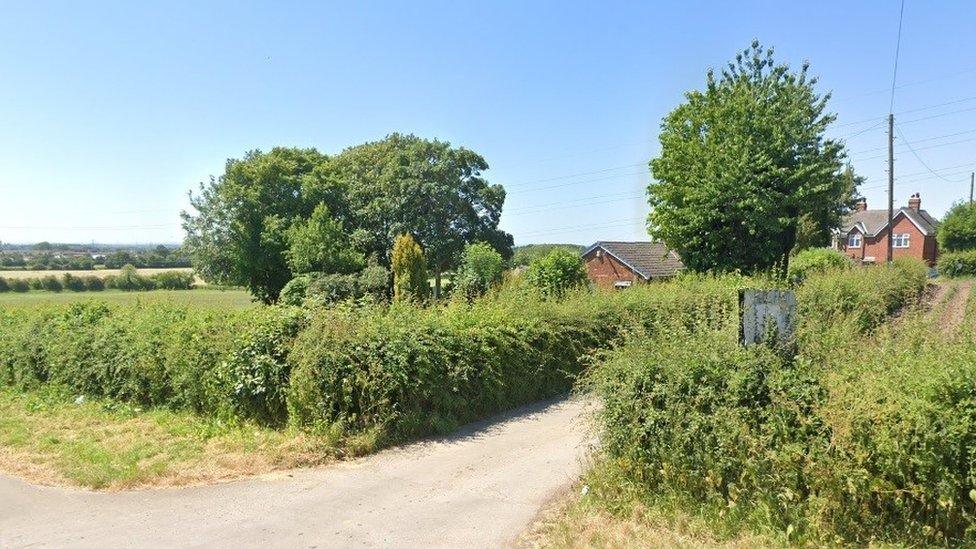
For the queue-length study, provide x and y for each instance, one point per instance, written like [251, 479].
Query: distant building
[863, 236]
[623, 264]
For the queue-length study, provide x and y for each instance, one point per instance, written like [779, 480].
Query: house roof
[647, 259]
[872, 222]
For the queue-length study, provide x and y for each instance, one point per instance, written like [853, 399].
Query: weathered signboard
[766, 316]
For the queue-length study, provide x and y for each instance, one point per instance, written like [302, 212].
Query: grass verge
[603, 511]
[48, 438]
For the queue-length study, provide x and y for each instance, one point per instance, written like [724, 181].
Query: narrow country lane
[477, 488]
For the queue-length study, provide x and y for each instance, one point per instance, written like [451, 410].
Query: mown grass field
[201, 298]
[11, 274]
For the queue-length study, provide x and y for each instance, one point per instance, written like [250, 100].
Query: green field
[203, 298]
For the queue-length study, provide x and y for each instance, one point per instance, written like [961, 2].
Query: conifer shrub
[409, 270]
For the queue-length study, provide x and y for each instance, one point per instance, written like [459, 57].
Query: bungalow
[623, 264]
[863, 235]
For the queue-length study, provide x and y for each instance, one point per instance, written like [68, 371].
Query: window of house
[854, 240]
[900, 240]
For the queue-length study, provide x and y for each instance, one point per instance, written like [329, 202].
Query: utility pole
[891, 183]
[972, 176]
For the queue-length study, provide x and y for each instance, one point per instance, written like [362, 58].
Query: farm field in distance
[12, 274]
[203, 298]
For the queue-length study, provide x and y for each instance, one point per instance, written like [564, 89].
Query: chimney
[915, 202]
[861, 205]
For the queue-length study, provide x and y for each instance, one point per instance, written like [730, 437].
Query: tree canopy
[435, 192]
[742, 162]
[957, 232]
[239, 234]
[273, 215]
[321, 244]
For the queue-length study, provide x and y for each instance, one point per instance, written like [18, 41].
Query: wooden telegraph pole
[972, 176]
[891, 183]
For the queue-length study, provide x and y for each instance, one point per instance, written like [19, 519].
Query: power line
[937, 145]
[894, 74]
[572, 175]
[932, 138]
[571, 183]
[919, 158]
[579, 205]
[534, 207]
[613, 223]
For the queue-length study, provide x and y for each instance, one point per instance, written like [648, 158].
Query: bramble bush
[956, 264]
[356, 367]
[813, 260]
[864, 436]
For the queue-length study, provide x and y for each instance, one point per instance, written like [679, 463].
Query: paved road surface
[478, 488]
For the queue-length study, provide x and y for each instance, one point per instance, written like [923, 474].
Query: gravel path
[477, 488]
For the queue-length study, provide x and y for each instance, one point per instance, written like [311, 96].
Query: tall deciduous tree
[409, 269]
[321, 244]
[238, 233]
[405, 184]
[741, 162]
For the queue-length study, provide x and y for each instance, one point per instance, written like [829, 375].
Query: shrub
[51, 284]
[374, 281]
[4, 286]
[816, 260]
[955, 264]
[867, 295]
[18, 285]
[226, 363]
[130, 280]
[957, 231]
[295, 290]
[556, 272]
[173, 280]
[332, 288]
[93, 283]
[409, 270]
[406, 370]
[480, 269]
[855, 439]
[72, 283]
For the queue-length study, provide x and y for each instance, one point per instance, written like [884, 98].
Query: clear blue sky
[110, 112]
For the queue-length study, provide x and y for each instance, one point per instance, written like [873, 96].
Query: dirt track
[478, 488]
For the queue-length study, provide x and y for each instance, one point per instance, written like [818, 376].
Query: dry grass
[49, 439]
[577, 522]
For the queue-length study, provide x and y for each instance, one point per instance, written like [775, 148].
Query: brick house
[622, 264]
[864, 233]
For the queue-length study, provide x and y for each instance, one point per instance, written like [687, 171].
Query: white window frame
[856, 237]
[901, 240]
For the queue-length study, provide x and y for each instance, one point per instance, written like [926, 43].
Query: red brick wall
[920, 246]
[605, 270]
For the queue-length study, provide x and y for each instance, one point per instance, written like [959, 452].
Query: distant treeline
[129, 279]
[44, 259]
[523, 255]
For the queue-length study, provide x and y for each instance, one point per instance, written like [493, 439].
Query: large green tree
[741, 162]
[238, 230]
[321, 244]
[957, 232]
[427, 188]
